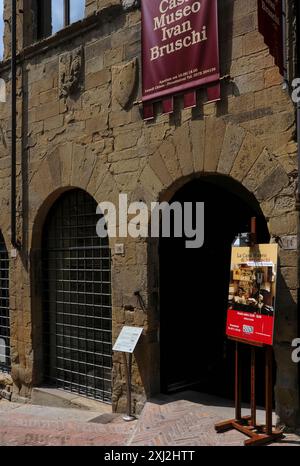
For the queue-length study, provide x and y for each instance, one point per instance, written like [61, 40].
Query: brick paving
[188, 420]
[42, 426]
[184, 420]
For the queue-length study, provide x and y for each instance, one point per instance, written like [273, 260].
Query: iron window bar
[5, 356]
[77, 299]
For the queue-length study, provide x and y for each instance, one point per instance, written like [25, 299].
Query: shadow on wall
[225, 10]
[286, 328]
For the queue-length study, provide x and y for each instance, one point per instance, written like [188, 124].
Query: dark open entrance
[194, 290]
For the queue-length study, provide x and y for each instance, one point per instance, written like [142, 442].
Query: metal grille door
[77, 298]
[5, 363]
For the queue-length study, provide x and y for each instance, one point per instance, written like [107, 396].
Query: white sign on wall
[128, 339]
[2, 350]
[289, 243]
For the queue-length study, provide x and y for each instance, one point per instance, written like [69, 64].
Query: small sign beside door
[2, 351]
[128, 339]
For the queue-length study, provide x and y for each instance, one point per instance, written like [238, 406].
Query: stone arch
[36, 274]
[213, 146]
[41, 215]
[68, 166]
[76, 298]
[64, 167]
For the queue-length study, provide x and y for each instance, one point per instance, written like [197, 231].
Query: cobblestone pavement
[185, 420]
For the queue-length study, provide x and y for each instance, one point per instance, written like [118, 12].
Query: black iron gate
[77, 298]
[5, 363]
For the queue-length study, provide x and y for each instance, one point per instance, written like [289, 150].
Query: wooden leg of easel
[238, 408]
[269, 391]
[266, 434]
[253, 386]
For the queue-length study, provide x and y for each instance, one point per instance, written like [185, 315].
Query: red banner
[270, 25]
[252, 289]
[180, 49]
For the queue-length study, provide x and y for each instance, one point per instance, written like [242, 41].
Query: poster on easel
[252, 292]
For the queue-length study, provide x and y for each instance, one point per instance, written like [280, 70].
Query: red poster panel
[180, 46]
[252, 290]
[270, 25]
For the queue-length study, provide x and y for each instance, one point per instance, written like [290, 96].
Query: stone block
[97, 124]
[247, 156]
[284, 224]
[158, 166]
[54, 122]
[273, 183]
[251, 82]
[273, 77]
[253, 42]
[182, 144]
[125, 140]
[124, 79]
[233, 139]
[197, 135]
[214, 131]
[48, 110]
[97, 79]
[151, 182]
[260, 170]
[168, 154]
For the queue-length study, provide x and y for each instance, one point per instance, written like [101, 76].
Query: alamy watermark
[178, 220]
[296, 352]
[296, 90]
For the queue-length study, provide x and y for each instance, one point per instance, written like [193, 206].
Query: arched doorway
[77, 298]
[5, 360]
[194, 291]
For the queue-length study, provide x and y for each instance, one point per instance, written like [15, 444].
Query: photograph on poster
[252, 289]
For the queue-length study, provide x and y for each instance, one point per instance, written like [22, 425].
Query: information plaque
[128, 339]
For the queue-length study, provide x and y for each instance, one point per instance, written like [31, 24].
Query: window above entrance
[54, 15]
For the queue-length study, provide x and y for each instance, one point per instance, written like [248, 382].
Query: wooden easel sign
[250, 320]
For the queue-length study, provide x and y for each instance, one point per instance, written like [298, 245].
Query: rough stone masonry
[78, 126]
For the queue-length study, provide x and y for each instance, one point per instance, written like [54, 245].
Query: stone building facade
[80, 127]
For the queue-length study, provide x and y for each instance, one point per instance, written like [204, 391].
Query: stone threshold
[53, 397]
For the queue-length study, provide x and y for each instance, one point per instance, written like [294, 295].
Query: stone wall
[78, 126]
